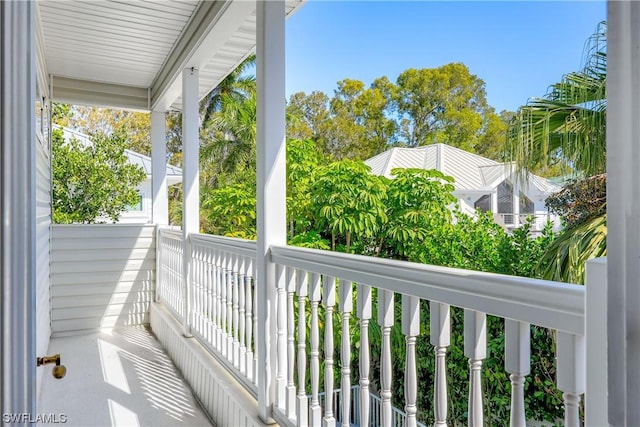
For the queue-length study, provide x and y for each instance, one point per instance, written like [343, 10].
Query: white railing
[399, 416]
[510, 221]
[223, 299]
[325, 280]
[312, 285]
[221, 295]
[169, 250]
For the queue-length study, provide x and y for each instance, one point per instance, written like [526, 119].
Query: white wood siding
[43, 241]
[102, 275]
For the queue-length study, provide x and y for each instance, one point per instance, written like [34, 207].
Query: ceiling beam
[84, 92]
[210, 27]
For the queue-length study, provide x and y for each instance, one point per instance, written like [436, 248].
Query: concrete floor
[118, 377]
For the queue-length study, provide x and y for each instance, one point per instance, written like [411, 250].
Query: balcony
[252, 326]
[211, 327]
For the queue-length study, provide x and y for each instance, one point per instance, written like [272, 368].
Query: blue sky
[517, 48]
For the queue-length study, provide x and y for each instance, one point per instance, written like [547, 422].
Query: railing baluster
[281, 337]
[236, 310]
[517, 360]
[206, 294]
[329, 301]
[385, 319]
[475, 348]
[223, 302]
[219, 301]
[411, 329]
[364, 314]
[571, 376]
[229, 274]
[255, 320]
[291, 348]
[249, 321]
[346, 306]
[440, 327]
[315, 417]
[242, 313]
[210, 297]
[302, 409]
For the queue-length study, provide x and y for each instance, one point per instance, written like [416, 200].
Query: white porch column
[190, 181]
[271, 182]
[160, 200]
[623, 211]
[17, 210]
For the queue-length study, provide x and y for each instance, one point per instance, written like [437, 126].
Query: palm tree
[228, 133]
[567, 128]
[237, 85]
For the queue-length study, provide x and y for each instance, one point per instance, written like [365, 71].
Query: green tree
[445, 104]
[567, 128]
[237, 85]
[92, 183]
[307, 116]
[349, 202]
[417, 202]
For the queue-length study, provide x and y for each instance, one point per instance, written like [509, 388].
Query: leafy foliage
[567, 128]
[568, 125]
[580, 200]
[92, 183]
[424, 106]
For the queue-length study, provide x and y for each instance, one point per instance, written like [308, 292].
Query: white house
[140, 212]
[480, 183]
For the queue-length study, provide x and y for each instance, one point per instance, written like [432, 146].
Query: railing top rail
[170, 232]
[232, 245]
[549, 304]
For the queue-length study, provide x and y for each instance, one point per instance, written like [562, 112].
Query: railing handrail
[170, 232]
[232, 245]
[553, 305]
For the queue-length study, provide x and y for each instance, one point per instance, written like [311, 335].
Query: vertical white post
[596, 336]
[302, 407]
[440, 330]
[385, 319]
[411, 329]
[281, 338]
[475, 348]
[329, 301]
[271, 184]
[346, 306]
[315, 411]
[516, 206]
[242, 352]
[17, 198]
[623, 212]
[159, 198]
[291, 342]
[494, 202]
[190, 182]
[571, 351]
[517, 348]
[363, 310]
[160, 206]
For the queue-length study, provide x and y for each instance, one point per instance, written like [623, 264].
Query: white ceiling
[142, 45]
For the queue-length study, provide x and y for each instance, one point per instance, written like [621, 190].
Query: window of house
[484, 203]
[138, 206]
[526, 205]
[505, 197]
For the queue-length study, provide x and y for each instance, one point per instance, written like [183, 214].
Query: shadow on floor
[118, 377]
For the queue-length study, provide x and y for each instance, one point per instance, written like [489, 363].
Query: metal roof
[471, 172]
[130, 54]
